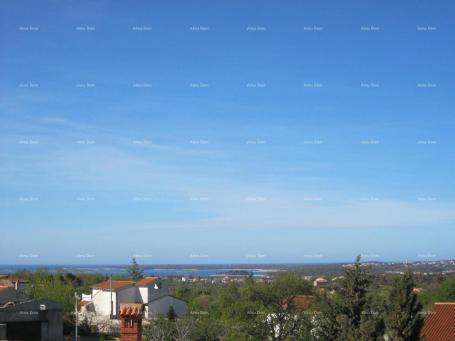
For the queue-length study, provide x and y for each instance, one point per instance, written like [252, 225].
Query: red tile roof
[115, 285]
[439, 324]
[85, 303]
[7, 281]
[131, 309]
[303, 301]
[146, 281]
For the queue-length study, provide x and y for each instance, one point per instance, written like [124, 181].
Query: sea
[160, 271]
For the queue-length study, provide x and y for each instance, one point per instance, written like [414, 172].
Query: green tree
[171, 315]
[158, 329]
[402, 316]
[206, 329]
[161, 329]
[53, 287]
[446, 290]
[260, 311]
[134, 271]
[326, 324]
[351, 315]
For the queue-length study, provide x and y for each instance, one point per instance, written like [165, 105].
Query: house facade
[107, 296]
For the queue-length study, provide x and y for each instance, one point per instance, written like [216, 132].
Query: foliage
[402, 318]
[171, 315]
[352, 315]
[441, 292]
[260, 311]
[206, 328]
[161, 329]
[326, 324]
[362, 307]
[446, 291]
[134, 271]
[54, 287]
[158, 329]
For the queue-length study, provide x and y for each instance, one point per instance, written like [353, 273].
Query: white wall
[144, 294]
[102, 301]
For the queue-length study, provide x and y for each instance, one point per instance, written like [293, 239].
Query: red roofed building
[300, 302]
[146, 281]
[107, 297]
[303, 302]
[320, 282]
[13, 282]
[107, 285]
[11, 289]
[439, 324]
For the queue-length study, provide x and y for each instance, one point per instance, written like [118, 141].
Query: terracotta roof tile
[439, 324]
[131, 309]
[115, 285]
[146, 281]
[83, 303]
[6, 281]
[303, 301]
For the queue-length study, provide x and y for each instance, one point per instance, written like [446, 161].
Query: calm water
[195, 271]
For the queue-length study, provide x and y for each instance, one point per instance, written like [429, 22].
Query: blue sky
[226, 131]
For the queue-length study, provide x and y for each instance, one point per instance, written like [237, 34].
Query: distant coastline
[256, 270]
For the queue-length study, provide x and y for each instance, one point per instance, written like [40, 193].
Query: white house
[320, 282]
[150, 291]
[116, 291]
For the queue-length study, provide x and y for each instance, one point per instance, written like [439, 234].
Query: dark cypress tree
[358, 317]
[326, 326]
[403, 319]
[134, 271]
[171, 315]
[353, 300]
[351, 314]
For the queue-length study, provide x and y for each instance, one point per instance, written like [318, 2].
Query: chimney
[131, 321]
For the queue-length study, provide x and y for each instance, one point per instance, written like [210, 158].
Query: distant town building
[418, 290]
[320, 282]
[302, 302]
[337, 278]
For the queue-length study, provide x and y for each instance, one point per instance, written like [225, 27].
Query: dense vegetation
[362, 305]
